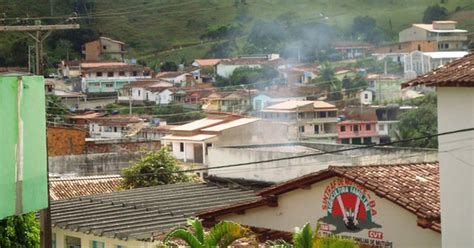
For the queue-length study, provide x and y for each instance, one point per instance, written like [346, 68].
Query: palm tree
[221, 235]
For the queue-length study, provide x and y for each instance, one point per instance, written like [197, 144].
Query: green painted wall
[31, 192]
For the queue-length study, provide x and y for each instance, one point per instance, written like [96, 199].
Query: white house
[366, 96]
[190, 142]
[113, 126]
[155, 91]
[306, 119]
[454, 86]
[417, 63]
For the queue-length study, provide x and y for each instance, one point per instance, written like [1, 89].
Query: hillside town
[369, 144]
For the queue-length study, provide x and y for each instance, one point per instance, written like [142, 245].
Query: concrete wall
[90, 164]
[86, 240]
[412, 34]
[284, 170]
[456, 111]
[259, 132]
[298, 207]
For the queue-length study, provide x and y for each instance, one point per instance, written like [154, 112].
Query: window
[301, 129]
[110, 74]
[399, 47]
[419, 47]
[115, 129]
[446, 45]
[181, 147]
[139, 92]
[53, 240]
[135, 73]
[104, 47]
[322, 114]
[366, 96]
[72, 242]
[109, 85]
[97, 244]
[316, 129]
[367, 127]
[121, 73]
[343, 128]
[98, 74]
[381, 127]
[300, 115]
[356, 128]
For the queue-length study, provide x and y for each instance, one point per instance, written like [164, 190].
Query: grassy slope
[151, 26]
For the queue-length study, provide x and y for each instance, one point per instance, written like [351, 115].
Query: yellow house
[376, 205]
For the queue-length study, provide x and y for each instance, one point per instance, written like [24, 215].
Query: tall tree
[19, 231]
[418, 122]
[153, 168]
[435, 13]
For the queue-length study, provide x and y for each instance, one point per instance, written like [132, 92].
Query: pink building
[357, 132]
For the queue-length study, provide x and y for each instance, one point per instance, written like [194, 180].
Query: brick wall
[66, 141]
[126, 146]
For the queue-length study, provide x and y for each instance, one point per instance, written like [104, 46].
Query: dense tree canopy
[435, 13]
[19, 231]
[153, 168]
[419, 122]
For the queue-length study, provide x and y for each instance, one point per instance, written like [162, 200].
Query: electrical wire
[320, 153]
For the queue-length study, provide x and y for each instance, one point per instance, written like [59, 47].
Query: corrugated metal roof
[141, 213]
[231, 124]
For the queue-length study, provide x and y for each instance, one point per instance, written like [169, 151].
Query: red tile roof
[65, 188]
[414, 187]
[458, 73]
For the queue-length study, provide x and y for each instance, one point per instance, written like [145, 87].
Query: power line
[321, 153]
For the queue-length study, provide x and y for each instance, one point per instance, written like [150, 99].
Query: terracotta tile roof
[118, 119]
[140, 214]
[458, 73]
[65, 188]
[207, 62]
[414, 187]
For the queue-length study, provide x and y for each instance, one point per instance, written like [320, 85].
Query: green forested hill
[157, 30]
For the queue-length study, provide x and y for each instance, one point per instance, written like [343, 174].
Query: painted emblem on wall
[348, 207]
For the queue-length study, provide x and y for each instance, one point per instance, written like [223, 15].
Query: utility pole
[39, 33]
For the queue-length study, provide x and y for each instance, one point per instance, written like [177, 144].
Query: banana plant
[221, 235]
[307, 238]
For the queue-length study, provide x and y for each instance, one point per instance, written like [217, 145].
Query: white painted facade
[418, 63]
[456, 111]
[164, 97]
[398, 226]
[105, 132]
[366, 97]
